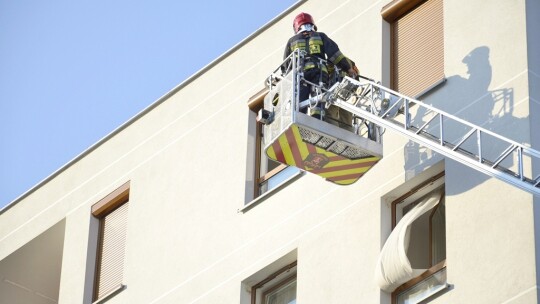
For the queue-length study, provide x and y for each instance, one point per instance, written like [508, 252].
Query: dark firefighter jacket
[317, 44]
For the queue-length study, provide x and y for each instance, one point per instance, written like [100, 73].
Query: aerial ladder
[342, 155]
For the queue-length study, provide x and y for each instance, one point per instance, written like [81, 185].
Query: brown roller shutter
[111, 252]
[418, 48]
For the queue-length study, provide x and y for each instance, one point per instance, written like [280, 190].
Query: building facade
[179, 205]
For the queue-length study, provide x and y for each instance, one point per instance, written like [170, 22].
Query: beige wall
[533, 48]
[187, 242]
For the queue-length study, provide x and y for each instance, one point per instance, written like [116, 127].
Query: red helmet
[301, 19]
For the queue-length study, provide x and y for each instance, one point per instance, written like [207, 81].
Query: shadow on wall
[470, 99]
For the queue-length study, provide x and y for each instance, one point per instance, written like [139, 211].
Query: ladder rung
[464, 138]
[424, 125]
[537, 180]
[392, 107]
[505, 153]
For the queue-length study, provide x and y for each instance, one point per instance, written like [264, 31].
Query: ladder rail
[441, 145]
[491, 171]
[447, 115]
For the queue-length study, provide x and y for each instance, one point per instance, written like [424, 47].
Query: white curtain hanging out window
[393, 267]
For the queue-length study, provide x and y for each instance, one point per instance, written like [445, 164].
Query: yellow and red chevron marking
[290, 149]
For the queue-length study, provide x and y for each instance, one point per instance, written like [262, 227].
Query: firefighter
[336, 115]
[317, 45]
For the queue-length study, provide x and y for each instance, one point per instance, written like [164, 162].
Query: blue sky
[73, 71]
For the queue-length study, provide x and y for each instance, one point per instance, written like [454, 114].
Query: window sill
[116, 290]
[435, 292]
[431, 88]
[426, 274]
[269, 193]
[439, 269]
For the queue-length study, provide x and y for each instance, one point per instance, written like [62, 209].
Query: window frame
[275, 282]
[398, 8]
[391, 13]
[100, 211]
[259, 180]
[394, 206]
[411, 283]
[255, 103]
[278, 285]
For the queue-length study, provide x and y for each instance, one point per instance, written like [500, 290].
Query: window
[412, 263]
[268, 174]
[112, 214]
[278, 288]
[417, 44]
[282, 293]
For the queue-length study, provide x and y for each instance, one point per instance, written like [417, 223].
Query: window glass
[438, 234]
[427, 237]
[283, 175]
[419, 217]
[284, 295]
[278, 287]
[268, 173]
[424, 289]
